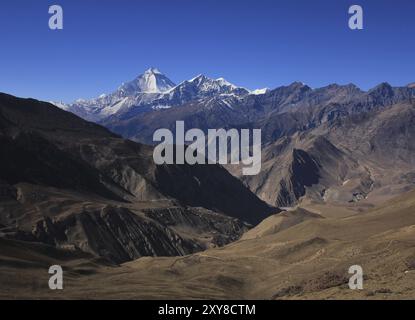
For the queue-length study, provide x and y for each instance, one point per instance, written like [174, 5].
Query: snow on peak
[199, 78]
[259, 91]
[152, 71]
[151, 81]
[208, 83]
[154, 89]
[223, 82]
[202, 87]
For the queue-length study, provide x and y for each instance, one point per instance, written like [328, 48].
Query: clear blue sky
[252, 43]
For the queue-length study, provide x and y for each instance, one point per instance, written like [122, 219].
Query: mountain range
[151, 91]
[304, 130]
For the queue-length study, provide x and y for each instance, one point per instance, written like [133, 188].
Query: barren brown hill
[299, 255]
[72, 184]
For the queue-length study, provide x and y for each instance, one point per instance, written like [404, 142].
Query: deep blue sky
[252, 43]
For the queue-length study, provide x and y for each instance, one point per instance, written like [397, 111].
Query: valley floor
[298, 254]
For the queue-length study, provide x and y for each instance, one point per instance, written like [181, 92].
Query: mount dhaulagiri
[150, 91]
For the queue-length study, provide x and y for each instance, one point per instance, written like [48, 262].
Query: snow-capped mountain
[202, 86]
[200, 89]
[151, 81]
[142, 90]
[152, 91]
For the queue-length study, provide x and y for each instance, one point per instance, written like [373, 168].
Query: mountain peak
[382, 85]
[298, 85]
[224, 82]
[151, 81]
[198, 78]
[201, 79]
[152, 70]
[384, 89]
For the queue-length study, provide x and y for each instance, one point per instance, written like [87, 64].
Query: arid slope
[299, 255]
